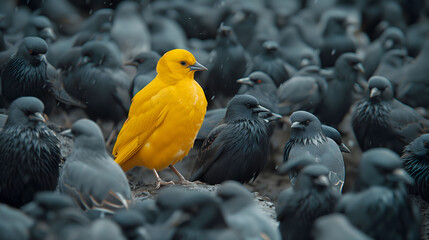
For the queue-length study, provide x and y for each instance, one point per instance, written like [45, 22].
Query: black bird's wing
[406, 123]
[209, 153]
[91, 189]
[286, 150]
[56, 87]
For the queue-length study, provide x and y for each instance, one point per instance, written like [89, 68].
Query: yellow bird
[164, 117]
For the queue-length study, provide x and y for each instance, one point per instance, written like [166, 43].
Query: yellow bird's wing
[147, 112]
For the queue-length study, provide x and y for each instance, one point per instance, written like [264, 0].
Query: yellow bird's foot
[160, 182]
[182, 180]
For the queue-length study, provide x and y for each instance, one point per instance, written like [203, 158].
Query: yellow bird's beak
[197, 67]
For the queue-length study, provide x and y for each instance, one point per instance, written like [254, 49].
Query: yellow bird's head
[178, 64]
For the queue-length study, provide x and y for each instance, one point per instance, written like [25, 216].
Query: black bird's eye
[141, 60]
[259, 81]
[425, 144]
[183, 63]
[307, 122]
[248, 105]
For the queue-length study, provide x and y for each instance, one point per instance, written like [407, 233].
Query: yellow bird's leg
[182, 179]
[159, 181]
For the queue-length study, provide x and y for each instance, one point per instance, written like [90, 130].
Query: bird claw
[160, 182]
[186, 182]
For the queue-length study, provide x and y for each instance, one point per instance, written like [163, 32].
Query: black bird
[40, 26]
[392, 64]
[237, 148]
[193, 215]
[304, 91]
[295, 50]
[271, 62]
[131, 223]
[415, 160]
[258, 85]
[392, 38]
[29, 74]
[379, 120]
[312, 197]
[333, 134]
[14, 224]
[238, 204]
[336, 227]
[129, 30]
[99, 81]
[412, 88]
[342, 82]
[29, 153]
[379, 204]
[307, 137]
[90, 176]
[55, 217]
[145, 63]
[262, 87]
[228, 62]
[336, 40]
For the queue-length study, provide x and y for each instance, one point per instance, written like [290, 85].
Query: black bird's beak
[374, 93]
[322, 181]
[83, 60]
[37, 116]
[270, 116]
[400, 175]
[246, 81]
[134, 64]
[67, 133]
[344, 148]
[197, 67]
[297, 125]
[259, 109]
[48, 33]
[359, 67]
[305, 62]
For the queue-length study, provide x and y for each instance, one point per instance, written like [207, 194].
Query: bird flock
[142, 85]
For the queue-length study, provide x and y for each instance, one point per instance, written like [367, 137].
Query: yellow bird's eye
[183, 63]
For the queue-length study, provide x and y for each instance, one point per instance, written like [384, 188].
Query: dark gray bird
[304, 91]
[271, 62]
[55, 217]
[14, 224]
[103, 228]
[333, 134]
[342, 82]
[379, 204]
[100, 82]
[238, 204]
[379, 120]
[40, 26]
[336, 40]
[412, 88]
[415, 160]
[129, 30]
[295, 51]
[29, 153]
[392, 64]
[132, 224]
[193, 215]
[307, 137]
[312, 197]
[392, 38]
[228, 62]
[237, 148]
[257, 84]
[90, 176]
[336, 226]
[28, 73]
[145, 64]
